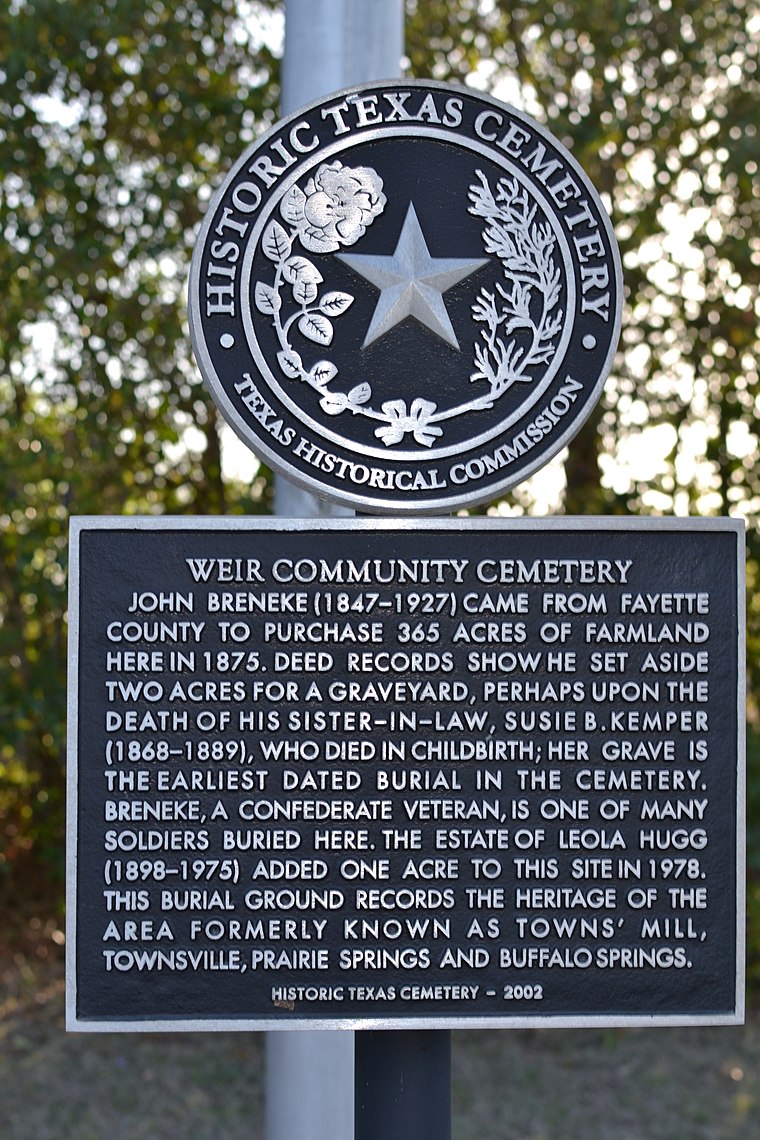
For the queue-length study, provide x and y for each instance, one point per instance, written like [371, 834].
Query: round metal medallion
[406, 297]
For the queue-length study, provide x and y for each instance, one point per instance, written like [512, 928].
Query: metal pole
[403, 1085]
[329, 44]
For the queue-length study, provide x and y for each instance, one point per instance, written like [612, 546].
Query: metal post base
[402, 1085]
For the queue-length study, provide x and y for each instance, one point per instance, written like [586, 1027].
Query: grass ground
[635, 1084]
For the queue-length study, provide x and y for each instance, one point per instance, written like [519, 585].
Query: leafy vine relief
[528, 302]
[335, 209]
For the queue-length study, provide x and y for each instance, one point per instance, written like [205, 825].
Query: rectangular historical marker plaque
[426, 773]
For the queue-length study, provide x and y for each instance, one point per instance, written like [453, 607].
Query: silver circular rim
[277, 460]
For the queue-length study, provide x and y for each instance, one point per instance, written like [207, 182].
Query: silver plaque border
[252, 524]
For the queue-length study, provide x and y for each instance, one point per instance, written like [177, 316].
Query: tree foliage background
[118, 119]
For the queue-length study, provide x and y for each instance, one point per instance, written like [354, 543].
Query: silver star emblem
[411, 283]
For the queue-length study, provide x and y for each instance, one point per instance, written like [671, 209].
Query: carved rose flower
[338, 205]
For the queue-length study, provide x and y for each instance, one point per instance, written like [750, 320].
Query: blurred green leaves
[117, 120]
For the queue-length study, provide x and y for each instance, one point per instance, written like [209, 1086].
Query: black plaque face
[424, 774]
[406, 297]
